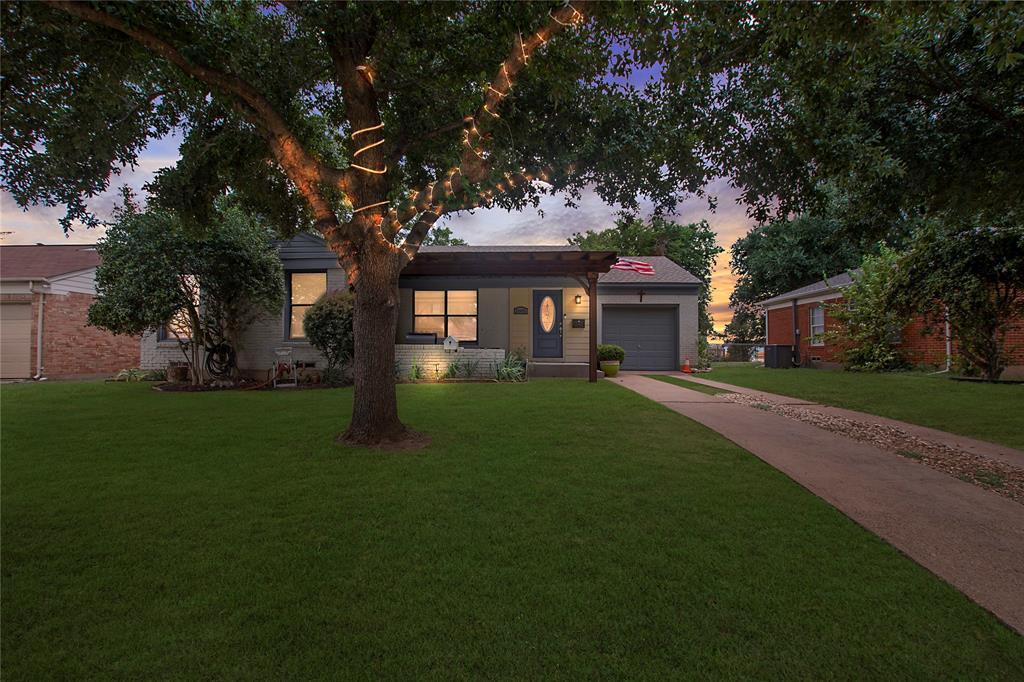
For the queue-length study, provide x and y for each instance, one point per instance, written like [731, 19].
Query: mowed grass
[554, 529]
[692, 385]
[991, 412]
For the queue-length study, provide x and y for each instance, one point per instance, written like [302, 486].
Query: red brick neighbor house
[799, 317]
[45, 293]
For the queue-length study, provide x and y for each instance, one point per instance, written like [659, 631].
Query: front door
[547, 323]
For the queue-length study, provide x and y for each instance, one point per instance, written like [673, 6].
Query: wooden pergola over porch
[520, 261]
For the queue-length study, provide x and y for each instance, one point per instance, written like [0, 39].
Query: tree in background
[868, 326]
[780, 256]
[905, 109]
[691, 246]
[443, 236]
[201, 289]
[974, 274]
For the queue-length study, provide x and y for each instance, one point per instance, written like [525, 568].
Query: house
[534, 300]
[45, 293]
[800, 317]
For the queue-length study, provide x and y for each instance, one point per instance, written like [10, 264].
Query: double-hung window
[817, 325]
[446, 313]
[304, 288]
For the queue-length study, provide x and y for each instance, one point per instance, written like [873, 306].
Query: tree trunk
[375, 320]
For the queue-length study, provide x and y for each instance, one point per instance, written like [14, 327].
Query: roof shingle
[43, 261]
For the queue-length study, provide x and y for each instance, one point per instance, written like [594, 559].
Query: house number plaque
[520, 310]
[579, 324]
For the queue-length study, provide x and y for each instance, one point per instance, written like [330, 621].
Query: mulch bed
[984, 472]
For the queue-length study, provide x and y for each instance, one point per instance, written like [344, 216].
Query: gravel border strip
[984, 472]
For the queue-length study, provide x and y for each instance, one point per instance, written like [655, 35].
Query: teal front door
[547, 323]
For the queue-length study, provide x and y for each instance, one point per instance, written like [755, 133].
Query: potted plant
[610, 355]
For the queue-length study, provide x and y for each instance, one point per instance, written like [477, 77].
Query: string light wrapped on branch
[372, 171]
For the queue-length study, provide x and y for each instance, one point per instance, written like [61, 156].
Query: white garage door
[648, 333]
[15, 340]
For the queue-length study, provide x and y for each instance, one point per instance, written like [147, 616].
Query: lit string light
[372, 171]
[369, 206]
[487, 195]
[366, 71]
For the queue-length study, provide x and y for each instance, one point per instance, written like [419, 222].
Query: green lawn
[989, 412]
[692, 385]
[554, 529]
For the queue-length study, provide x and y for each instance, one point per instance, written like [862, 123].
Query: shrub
[336, 376]
[867, 324]
[461, 369]
[328, 328]
[512, 368]
[129, 375]
[608, 352]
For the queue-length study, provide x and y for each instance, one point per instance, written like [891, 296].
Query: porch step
[576, 370]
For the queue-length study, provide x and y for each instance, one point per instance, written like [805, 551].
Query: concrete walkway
[970, 537]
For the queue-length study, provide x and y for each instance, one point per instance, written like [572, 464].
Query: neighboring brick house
[45, 294]
[806, 310]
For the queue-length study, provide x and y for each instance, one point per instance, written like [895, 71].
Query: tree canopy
[780, 256]
[972, 275]
[155, 274]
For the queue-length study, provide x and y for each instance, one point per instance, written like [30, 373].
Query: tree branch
[474, 167]
[414, 240]
[302, 169]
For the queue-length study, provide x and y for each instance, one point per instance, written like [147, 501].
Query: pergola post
[592, 296]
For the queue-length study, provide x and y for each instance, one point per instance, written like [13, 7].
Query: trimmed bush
[328, 328]
[608, 352]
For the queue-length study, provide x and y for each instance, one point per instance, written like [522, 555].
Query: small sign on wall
[520, 310]
[579, 324]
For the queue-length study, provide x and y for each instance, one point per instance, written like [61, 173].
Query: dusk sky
[495, 226]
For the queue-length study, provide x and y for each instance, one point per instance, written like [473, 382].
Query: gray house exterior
[494, 299]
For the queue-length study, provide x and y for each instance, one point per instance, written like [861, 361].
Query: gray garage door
[648, 333]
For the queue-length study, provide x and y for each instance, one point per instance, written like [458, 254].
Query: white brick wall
[434, 361]
[158, 354]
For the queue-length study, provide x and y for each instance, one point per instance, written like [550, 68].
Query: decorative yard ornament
[451, 344]
[637, 266]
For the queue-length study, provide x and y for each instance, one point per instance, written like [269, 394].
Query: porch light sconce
[579, 299]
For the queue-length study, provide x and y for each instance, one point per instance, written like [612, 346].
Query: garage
[648, 333]
[15, 340]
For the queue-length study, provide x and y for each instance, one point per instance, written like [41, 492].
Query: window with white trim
[445, 313]
[817, 325]
[304, 288]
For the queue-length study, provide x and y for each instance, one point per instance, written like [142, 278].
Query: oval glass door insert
[547, 314]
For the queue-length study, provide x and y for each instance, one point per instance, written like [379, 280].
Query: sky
[485, 226]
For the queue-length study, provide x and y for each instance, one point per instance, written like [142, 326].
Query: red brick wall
[917, 347]
[71, 348]
[780, 330]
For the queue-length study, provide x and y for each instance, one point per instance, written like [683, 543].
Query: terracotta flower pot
[610, 367]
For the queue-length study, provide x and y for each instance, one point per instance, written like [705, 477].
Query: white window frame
[815, 337]
[289, 305]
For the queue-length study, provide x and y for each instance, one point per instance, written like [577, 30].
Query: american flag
[637, 266]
